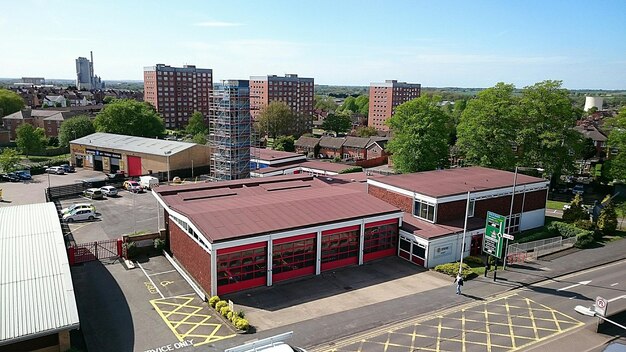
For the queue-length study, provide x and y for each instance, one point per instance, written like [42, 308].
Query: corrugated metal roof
[36, 291]
[132, 144]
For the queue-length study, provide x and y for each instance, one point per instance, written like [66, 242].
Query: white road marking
[163, 272]
[187, 294]
[574, 296]
[616, 298]
[152, 282]
[615, 284]
[574, 285]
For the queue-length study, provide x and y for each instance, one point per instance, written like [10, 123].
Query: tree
[487, 127]
[349, 104]
[30, 139]
[196, 124]
[337, 123]
[285, 143]
[607, 220]
[275, 119]
[546, 131]
[199, 138]
[130, 117]
[9, 159]
[616, 165]
[362, 103]
[76, 127]
[10, 102]
[366, 131]
[325, 103]
[420, 135]
[108, 99]
[575, 212]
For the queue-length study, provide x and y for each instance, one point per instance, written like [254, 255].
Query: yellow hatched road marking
[493, 311]
[179, 304]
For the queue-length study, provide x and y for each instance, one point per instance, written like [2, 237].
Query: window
[241, 266]
[340, 246]
[293, 255]
[470, 211]
[513, 224]
[424, 210]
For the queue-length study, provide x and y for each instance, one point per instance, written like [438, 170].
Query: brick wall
[403, 202]
[196, 260]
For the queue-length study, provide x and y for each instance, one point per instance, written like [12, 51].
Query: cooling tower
[591, 102]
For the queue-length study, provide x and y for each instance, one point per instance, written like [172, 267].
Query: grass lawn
[555, 205]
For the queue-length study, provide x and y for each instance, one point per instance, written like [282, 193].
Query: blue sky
[435, 43]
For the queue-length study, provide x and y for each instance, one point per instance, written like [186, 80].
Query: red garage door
[241, 267]
[381, 239]
[134, 166]
[293, 257]
[340, 247]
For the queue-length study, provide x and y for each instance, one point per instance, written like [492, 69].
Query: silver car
[55, 170]
[80, 215]
[109, 191]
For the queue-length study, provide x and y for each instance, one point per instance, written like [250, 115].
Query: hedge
[584, 238]
[452, 269]
[351, 170]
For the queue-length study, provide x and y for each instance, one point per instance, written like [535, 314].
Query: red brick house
[331, 147]
[355, 148]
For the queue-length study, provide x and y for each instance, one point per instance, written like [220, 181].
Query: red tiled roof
[268, 205]
[272, 155]
[428, 230]
[448, 182]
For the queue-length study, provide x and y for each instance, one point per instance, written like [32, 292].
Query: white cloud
[217, 24]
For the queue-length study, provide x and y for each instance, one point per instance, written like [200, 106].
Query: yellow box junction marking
[507, 323]
[186, 321]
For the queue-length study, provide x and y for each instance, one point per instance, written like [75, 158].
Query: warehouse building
[137, 156]
[37, 303]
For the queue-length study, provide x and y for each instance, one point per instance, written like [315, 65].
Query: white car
[133, 186]
[80, 215]
[55, 170]
[109, 191]
[78, 206]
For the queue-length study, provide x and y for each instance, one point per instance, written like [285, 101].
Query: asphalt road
[535, 318]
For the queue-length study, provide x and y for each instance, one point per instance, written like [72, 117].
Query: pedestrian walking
[459, 283]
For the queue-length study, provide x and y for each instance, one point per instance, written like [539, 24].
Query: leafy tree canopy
[366, 131]
[616, 165]
[196, 124]
[76, 127]
[276, 119]
[10, 102]
[30, 139]
[285, 143]
[130, 117]
[199, 138]
[9, 159]
[487, 128]
[325, 103]
[337, 123]
[420, 130]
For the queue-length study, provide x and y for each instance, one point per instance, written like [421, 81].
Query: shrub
[219, 305]
[452, 269]
[351, 170]
[224, 311]
[159, 244]
[229, 315]
[584, 240]
[564, 229]
[213, 300]
[130, 249]
[473, 260]
[584, 224]
[607, 221]
[241, 314]
[575, 211]
[242, 324]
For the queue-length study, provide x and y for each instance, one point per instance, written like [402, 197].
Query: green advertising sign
[493, 242]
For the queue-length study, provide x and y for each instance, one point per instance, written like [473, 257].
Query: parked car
[93, 193]
[23, 175]
[80, 215]
[78, 206]
[68, 168]
[109, 191]
[132, 186]
[578, 189]
[10, 177]
[118, 176]
[55, 170]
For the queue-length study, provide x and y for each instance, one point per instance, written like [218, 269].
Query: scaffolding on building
[230, 130]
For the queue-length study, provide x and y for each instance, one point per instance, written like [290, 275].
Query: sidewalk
[315, 331]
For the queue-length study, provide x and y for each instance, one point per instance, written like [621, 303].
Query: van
[148, 182]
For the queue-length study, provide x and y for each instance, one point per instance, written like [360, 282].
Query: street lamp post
[591, 312]
[467, 206]
[508, 228]
[167, 154]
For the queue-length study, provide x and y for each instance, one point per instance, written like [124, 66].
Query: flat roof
[428, 230]
[237, 209]
[271, 155]
[132, 143]
[37, 295]
[448, 182]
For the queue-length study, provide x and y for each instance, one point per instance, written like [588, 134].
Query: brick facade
[196, 260]
[403, 202]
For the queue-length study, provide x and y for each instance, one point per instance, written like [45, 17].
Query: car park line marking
[152, 282]
[163, 272]
[615, 284]
[616, 298]
[177, 296]
[166, 282]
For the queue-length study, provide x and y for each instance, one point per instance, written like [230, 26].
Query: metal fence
[521, 252]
